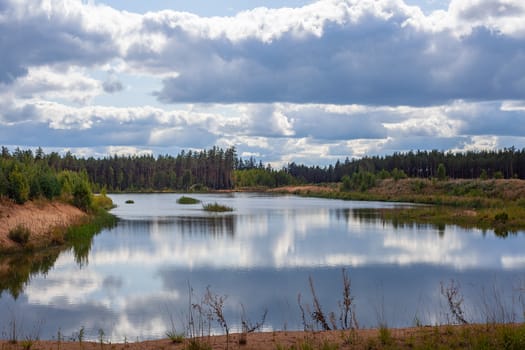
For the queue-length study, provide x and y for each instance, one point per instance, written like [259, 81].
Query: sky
[284, 81]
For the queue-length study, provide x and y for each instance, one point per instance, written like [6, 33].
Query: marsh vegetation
[216, 207]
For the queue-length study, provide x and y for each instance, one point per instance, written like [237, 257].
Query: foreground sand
[41, 217]
[254, 341]
[484, 336]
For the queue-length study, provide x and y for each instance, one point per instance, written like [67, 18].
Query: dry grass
[40, 217]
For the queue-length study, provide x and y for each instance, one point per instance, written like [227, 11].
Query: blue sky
[296, 80]
[208, 8]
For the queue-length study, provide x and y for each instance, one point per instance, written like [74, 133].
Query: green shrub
[102, 201]
[398, 174]
[20, 234]
[361, 181]
[346, 183]
[18, 187]
[383, 174]
[417, 186]
[187, 200]
[49, 186]
[502, 217]
[483, 175]
[441, 172]
[82, 197]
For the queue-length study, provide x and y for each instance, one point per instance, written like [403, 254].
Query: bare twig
[455, 301]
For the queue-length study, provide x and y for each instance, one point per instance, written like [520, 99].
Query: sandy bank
[41, 217]
[489, 336]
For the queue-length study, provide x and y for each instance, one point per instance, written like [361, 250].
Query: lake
[134, 280]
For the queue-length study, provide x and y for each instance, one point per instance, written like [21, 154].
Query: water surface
[135, 281]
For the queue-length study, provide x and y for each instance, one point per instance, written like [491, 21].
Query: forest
[27, 174]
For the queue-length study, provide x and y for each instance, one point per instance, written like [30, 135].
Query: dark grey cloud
[33, 38]
[493, 123]
[370, 58]
[373, 61]
[323, 125]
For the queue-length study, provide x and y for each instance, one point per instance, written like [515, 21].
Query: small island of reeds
[130, 201]
[188, 200]
[216, 207]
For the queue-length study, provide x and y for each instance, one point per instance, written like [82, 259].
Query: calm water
[135, 280]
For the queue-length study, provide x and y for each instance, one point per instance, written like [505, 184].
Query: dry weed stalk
[347, 315]
[216, 304]
[455, 300]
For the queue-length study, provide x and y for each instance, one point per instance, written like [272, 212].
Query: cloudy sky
[282, 80]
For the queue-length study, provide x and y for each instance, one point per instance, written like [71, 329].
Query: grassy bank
[484, 204]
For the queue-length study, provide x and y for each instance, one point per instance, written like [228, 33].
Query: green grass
[216, 207]
[187, 200]
[195, 344]
[176, 338]
[20, 234]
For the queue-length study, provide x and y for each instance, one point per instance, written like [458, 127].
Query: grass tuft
[176, 338]
[216, 207]
[20, 234]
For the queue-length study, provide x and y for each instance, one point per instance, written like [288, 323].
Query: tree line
[25, 174]
[206, 169]
[505, 163]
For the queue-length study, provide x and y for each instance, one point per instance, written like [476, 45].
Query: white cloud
[330, 79]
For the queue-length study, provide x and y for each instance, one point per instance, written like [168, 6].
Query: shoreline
[48, 221]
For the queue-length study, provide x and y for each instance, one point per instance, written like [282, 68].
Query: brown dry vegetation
[42, 218]
[389, 189]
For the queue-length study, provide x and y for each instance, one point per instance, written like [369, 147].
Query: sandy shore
[486, 336]
[40, 217]
[254, 341]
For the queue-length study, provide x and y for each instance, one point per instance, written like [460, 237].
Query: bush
[82, 197]
[502, 217]
[347, 183]
[187, 200]
[398, 174]
[20, 234]
[50, 186]
[18, 187]
[361, 181]
[441, 172]
[102, 201]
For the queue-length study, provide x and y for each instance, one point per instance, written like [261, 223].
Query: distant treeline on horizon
[217, 168]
